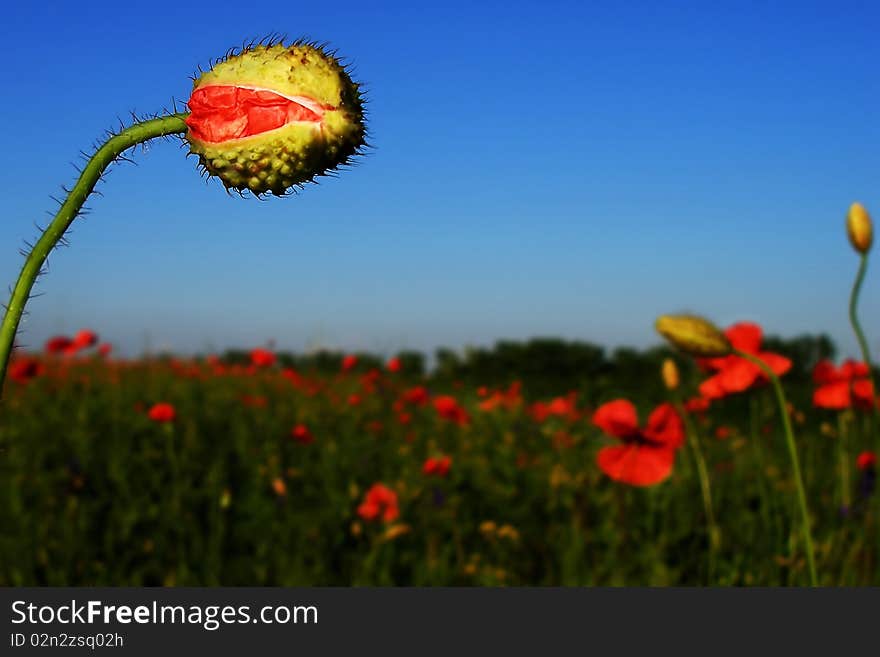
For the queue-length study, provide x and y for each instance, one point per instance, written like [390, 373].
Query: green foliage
[92, 492]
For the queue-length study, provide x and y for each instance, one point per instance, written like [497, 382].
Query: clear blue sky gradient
[570, 169]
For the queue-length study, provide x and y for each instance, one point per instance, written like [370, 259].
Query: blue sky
[570, 169]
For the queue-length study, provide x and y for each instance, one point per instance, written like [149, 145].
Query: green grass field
[95, 492]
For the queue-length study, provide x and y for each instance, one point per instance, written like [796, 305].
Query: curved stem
[795, 462]
[103, 157]
[857, 327]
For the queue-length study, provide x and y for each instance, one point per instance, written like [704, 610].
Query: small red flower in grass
[647, 455]
[58, 344]
[85, 339]
[447, 407]
[437, 467]
[254, 401]
[562, 407]
[105, 349]
[842, 387]
[162, 412]
[349, 362]
[393, 365]
[379, 501]
[866, 460]
[262, 357]
[734, 373]
[25, 369]
[279, 487]
[697, 405]
[417, 396]
[301, 434]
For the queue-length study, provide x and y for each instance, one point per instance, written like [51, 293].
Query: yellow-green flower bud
[693, 335]
[669, 372]
[859, 228]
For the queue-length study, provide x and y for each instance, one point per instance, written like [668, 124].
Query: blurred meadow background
[407, 374]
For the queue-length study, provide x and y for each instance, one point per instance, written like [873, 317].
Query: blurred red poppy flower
[379, 501]
[448, 408]
[866, 460]
[279, 487]
[562, 407]
[508, 399]
[437, 467]
[85, 339]
[349, 362]
[393, 364]
[734, 373]
[262, 357]
[647, 455]
[723, 432]
[104, 349]
[842, 387]
[301, 434]
[697, 405]
[23, 370]
[162, 412]
[58, 344]
[417, 396]
[254, 401]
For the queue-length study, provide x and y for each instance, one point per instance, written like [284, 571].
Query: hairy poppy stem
[69, 210]
[795, 462]
[857, 328]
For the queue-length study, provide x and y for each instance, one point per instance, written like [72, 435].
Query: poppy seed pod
[274, 117]
[693, 335]
[859, 228]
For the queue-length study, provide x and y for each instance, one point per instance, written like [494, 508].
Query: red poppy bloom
[104, 349]
[262, 357]
[379, 501]
[723, 432]
[25, 369]
[647, 455]
[417, 396]
[697, 405]
[866, 460]
[58, 344]
[563, 407]
[279, 487]
[162, 412]
[85, 339]
[438, 467]
[734, 373]
[393, 364]
[349, 362]
[301, 434]
[254, 401]
[509, 399]
[447, 407]
[841, 387]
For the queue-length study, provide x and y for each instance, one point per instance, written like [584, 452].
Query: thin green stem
[843, 456]
[103, 157]
[857, 327]
[705, 489]
[795, 462]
